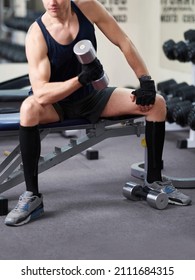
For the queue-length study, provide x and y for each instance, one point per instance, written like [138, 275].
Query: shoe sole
[174, 202]
[32, 216]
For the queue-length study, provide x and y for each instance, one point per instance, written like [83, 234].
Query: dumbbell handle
[85, 54]
[139, 192]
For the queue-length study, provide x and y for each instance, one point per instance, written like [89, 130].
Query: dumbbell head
[191, 118]
[168, 48]
[186, 92]
[170, 108]
[191, 52]
[181, 111]
[130, 189]
[85, 51]
[180, 51]
[157, 200]
[164, 87]
[101, 83]
[189, 35]
[175, 88]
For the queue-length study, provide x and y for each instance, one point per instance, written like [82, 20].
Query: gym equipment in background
[183, 51]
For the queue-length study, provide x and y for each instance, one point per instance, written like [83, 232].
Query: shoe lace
[21, 205]
[168, 186]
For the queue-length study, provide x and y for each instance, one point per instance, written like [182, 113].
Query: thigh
[120, 103]
[49, 115]
[33, 113]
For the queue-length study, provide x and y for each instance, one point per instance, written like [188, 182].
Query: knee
[160, 102]
[159, 111]
[28, 106]
[29, 111]
[160, 106]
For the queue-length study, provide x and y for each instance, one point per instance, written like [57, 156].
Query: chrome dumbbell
[86, 54]
[154, 198]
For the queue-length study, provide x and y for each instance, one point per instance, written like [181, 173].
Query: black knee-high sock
[30, 151]
[155, 135]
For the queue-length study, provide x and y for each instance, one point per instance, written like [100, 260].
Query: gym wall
[145, 29]
[141, 21]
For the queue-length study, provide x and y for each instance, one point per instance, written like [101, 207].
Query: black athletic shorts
[90, 107]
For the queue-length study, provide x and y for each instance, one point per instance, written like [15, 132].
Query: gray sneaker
[175, 196]
[29, 207]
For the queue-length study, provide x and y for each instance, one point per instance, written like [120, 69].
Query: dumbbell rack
[190, 141]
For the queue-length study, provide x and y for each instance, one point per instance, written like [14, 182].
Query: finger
[142, 108]
[132, 97]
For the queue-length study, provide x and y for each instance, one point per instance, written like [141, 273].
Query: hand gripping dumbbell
[86, 54]
[154, 198]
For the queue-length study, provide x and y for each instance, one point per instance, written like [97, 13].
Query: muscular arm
[39, 71]
[107, 24]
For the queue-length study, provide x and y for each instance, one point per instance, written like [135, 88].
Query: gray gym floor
[86, 217]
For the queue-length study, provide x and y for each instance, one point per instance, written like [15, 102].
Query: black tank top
[63, 62]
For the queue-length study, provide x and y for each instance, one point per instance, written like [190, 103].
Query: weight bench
[11, 173]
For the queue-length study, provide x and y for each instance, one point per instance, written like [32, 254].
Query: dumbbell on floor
[86, 54]
[133, 191]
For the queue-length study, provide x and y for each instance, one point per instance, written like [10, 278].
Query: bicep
[38, 63]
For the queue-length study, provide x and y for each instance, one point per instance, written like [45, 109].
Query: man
[62, 89]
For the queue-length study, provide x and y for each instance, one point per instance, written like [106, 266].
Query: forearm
[51, 92]
[134, 59]
[146, 94]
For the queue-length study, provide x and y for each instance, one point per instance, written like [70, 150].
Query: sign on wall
[177, 16]
[118, 8]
